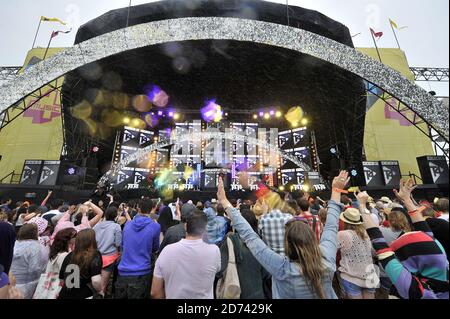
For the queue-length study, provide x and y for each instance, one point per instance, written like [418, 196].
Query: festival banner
[388, 135]
[38, 132]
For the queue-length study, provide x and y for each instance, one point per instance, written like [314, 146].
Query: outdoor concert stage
[244, 78]
[198, 89]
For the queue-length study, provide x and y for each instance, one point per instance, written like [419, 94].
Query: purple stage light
[272, 112]
[171, 114]
[160, 113]
[212, 112]
[261, 114]
[71, 171]
[157, 96]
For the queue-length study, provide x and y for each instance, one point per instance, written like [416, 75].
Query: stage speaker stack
[391, 173]
[373, 175]
[434, 170]
[49, 173]
[31, 172]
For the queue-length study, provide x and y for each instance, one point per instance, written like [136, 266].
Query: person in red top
[313, 221]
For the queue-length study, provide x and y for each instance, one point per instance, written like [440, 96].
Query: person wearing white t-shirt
[187, 269]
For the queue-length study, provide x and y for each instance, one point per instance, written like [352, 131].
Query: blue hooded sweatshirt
[140, 239]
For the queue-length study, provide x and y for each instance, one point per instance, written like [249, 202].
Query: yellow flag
[52, 20]
[393, 23]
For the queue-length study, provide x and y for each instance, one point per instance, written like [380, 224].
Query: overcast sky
[426, 40]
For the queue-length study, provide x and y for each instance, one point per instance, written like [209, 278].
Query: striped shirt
[416, 263]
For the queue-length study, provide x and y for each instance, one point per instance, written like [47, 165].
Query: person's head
[6, 201]
[186, 211]
[346, 200]
[19, 204]
[441, 205]
[111, 213]
[41, 223]
[353, 221]
[28, 232]
[302, 247]
[146, 206]
[398, 221]
[3, 216]
[303, 203]
[199, 205]
[85, 249]
[22, 210]
[323, 212]
[429, 213]
[56, 203]
[196, 224]
[33, 209]
[250, 217]
[293, 204]
[220, 210]
[62, 242]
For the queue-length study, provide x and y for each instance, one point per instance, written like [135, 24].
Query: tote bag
[49, 284]
[228, 286]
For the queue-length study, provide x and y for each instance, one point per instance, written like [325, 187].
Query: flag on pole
[52, 20]
[395, 25]
[56, 33]
[377, 35]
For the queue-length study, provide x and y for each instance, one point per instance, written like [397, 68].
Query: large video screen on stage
[228, 148]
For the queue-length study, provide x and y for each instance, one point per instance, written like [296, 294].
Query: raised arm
[415, 212]
[44, 202]
[328, 241]
[407, 285]
[270, 260]
[98, 213]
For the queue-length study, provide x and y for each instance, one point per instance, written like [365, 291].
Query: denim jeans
[133, 287]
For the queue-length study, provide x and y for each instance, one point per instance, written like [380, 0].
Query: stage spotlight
[305, 121]
[136, 122]
[281, 188]
[126, 120]
[295, 124]
[176, 116]
[95, 149]
[267, 116]
[278, 114]
[306, 188]
[255, 117]
[160, 113]
[333, 150]
[272, 113]
[354, 172]
[71, 171]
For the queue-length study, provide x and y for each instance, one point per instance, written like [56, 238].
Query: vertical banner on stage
[31, 172]
[37, 133]
[434, 169]
[373, 174]
[49, 173]
[388, 135]
[391, 173]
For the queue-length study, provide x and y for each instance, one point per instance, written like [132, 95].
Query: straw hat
[352, 216]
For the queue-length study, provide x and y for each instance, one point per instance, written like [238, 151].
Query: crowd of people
[276, 246]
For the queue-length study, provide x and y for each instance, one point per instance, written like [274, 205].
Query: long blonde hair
[302, 247]
[358, 229]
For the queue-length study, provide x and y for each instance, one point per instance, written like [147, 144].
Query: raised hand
[362, 198]
[221, 195]
[406, 188]
[341, 181]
